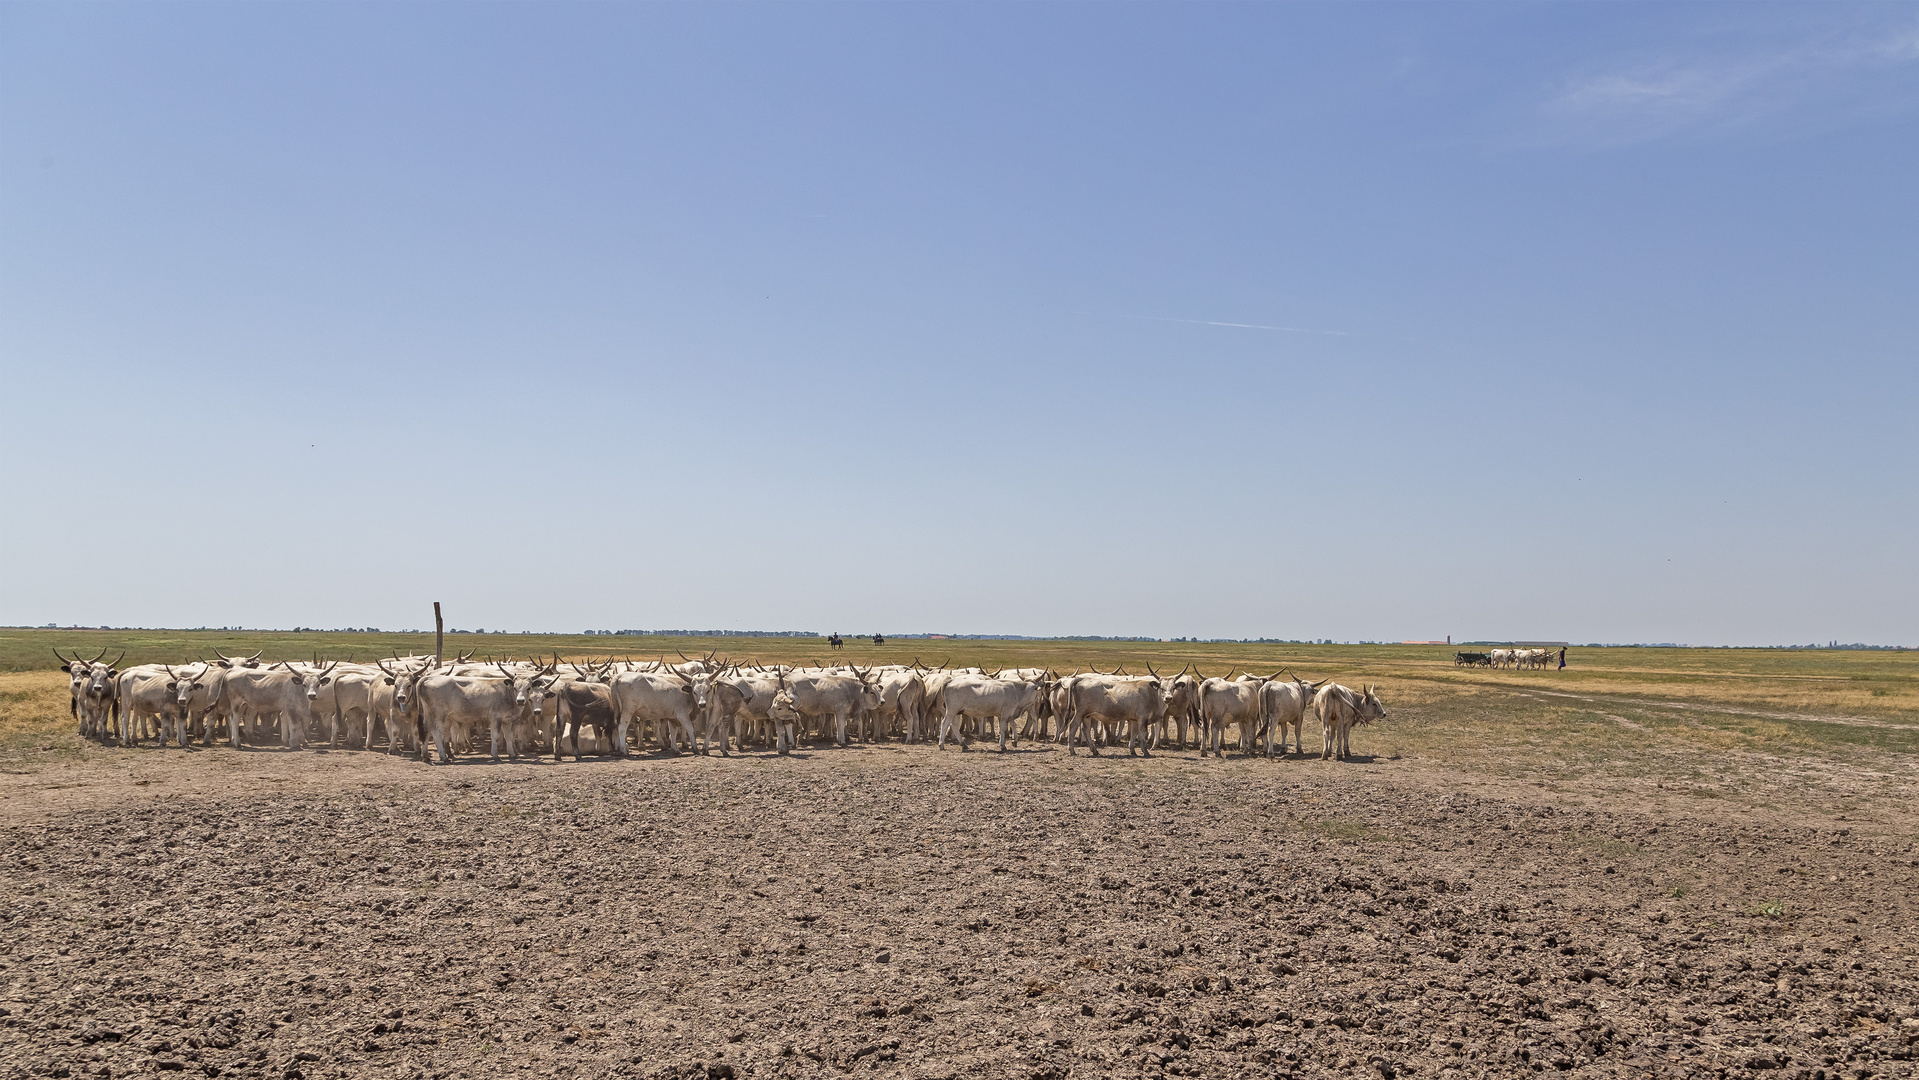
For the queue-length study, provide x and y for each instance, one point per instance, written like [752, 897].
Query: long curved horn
[96, 659]
[681, 655]
[255, 656]
[116, 660]
[1150, 671]
[64, 662]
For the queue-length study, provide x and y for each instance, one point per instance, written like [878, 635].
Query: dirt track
[891, 909]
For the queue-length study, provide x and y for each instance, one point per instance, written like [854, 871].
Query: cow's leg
[493, 741]
[839, 727]
[619, 733]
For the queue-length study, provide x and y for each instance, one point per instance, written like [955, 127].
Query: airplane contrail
[1239, 325]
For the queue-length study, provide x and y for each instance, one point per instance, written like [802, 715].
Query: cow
[1340, 709]
[529, 690]
[1136, 701]
[144, 692]
[901, 694]
[77, 671]
[661, 698]
[1499, 658]
[755, 708]
[193, 698]
[582, 700]
[452, 705]
[721, 700]
[981, 697]
[1182, 706]
[1227, 701]
[785, 716]
[1283, 702]
[254, 693]
[390, 701]
[839, 697]
[90, 686]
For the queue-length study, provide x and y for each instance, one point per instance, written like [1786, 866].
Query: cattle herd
[1506, 658]
[435, 707]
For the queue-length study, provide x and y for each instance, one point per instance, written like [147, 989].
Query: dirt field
[897, 910]
[1512, 878]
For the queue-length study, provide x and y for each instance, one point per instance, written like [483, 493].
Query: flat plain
[1656, 862]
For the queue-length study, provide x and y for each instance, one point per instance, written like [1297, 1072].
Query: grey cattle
[1340, 709]
[453, 705]
[144, 692]
[90, 683]
[901, 694]
[663, 698]
[1135, 701]
[1284, 702]
[257, 693]
[1222, 702]
[838, 697]
[982, 697]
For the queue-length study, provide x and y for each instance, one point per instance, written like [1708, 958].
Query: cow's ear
[389, 680]
[325, 681]
[173, 686]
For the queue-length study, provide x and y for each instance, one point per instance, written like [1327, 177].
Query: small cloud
[1840, 75]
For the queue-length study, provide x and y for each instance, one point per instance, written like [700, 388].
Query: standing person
[1562, 658]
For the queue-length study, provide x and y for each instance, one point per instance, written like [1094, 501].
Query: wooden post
[439, 635]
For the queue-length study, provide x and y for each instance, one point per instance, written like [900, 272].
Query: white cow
[1340, 709]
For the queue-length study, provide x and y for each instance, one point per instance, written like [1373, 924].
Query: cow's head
[230, 662]
[530, 688]
[402, 679]
[184, 683]
[313, 681]
[782, 710]
[1368, 705]
[100, 676]
[78, 671]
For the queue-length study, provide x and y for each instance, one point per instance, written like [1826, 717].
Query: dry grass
[33, 714]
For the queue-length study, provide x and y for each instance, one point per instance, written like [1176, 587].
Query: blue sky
[1592, 322]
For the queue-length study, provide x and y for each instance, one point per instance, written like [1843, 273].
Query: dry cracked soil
[894, 910]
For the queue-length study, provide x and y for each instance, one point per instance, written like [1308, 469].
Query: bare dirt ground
[893, 910]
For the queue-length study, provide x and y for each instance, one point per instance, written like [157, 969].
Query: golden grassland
[1679, 713]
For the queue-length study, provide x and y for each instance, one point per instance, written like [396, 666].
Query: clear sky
[1348, 321]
